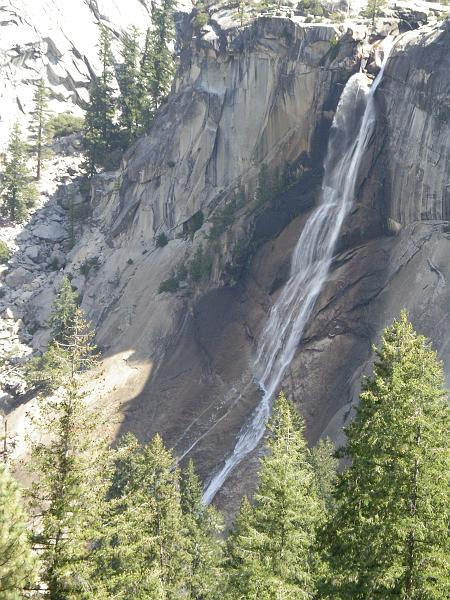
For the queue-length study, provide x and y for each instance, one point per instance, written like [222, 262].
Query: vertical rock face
[258, 94]
[56, 40]
[415, 160]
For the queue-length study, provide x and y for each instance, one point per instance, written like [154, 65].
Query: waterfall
[351, 132]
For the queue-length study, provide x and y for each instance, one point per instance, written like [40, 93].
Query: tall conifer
[203, 526]
[272, 549]
[39, 125]
[130, 105]
[17, 192]
[66, 461]
[100, 126]
[17, 565]
[388, 537]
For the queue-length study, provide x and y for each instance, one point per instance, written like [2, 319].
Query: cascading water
[351, 132]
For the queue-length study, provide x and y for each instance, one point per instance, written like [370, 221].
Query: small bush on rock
[64, 124]
[162, 240]
[5, 252]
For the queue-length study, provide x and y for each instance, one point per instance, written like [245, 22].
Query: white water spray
[352, 129]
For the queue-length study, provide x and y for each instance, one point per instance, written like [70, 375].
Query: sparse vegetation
[200, 266]
[88, 264]
[5, 252]
[162, 240]
[65, 124]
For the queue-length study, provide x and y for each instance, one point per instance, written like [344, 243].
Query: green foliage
[271, 551]
[100, 128]
[121, 565]
[194, 223]
[310, 7]
[64, 124]
[88, 264]
[64, 309]
[222, 219]
[201, 18]
[325, 464]
[17, 565]
[271, 184]
[17, 192]
[374, 8]
[129, 78]
[161, 66]
[242, 14]
[203, 526]
[39, 129]
[170, 285]
[200, 265]
[68, 474]
[143, 552]
[45, 373]
[388, 537]
[5, 252]
[162, 240]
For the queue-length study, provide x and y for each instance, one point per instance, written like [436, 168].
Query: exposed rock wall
[414, 173]
[56, 40]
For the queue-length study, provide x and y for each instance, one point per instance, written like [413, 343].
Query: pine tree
[142, 553]
[17, 192]
[163, 66]
[130, 115]
[388, 537]
[100, 127]
[272, 548]
[203, 526]
[146, 108]
[64, 309]
[39, 125]
[325, 463]
[17, 565]
[47, 372]
[67, 464]
[374, 8]
[124, 567]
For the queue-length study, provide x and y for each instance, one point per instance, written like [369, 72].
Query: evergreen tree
[374, 8]
[142, 553]
[203, 526]
[124, 567]
[272, 549]
[146, 107]
[67, 464]
[64, 310]
[17, 192]
[325, 463]
[100, 127]
[39, 125]
[17, 566]
[161, 36]
[46, 372]
[130, 115]
[388, 537]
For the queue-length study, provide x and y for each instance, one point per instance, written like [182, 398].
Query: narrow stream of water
[351, 132]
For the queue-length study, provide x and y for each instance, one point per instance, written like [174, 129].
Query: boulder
[18, 277]
[51, 232]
